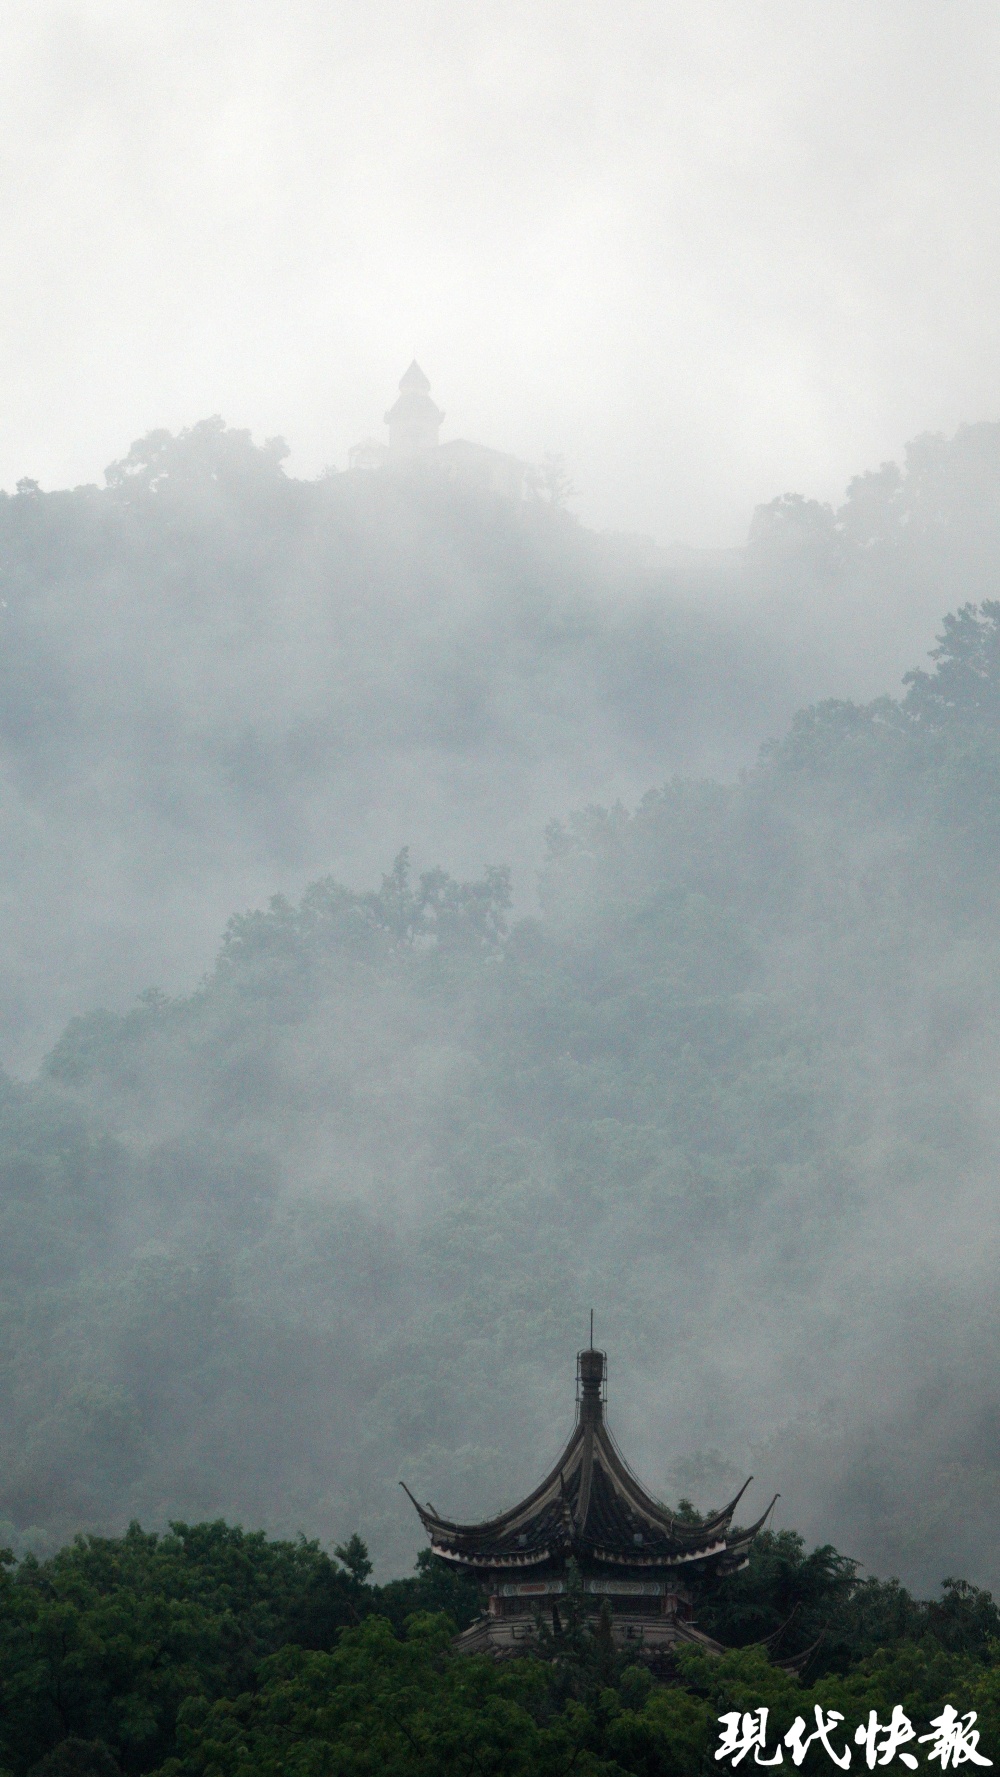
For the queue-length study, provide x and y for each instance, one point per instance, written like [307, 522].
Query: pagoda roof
[413, 403]
[591, 1506]
[414, 378]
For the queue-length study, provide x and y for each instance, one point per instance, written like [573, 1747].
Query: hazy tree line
[337, 1215]
[218, 681]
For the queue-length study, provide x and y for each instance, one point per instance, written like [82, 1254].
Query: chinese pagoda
[413, 421]
[625, 1548]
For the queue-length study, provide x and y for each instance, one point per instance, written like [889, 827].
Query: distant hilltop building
[414, 422]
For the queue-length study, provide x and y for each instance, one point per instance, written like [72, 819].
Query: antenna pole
[591, 1329]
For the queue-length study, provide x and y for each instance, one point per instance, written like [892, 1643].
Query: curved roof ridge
[725, 1513]
[627, 1469]
[717, 1521]
[629, 1483]
[554, 1480]
[644, 1502]
[744, 1538]
[590, 1453]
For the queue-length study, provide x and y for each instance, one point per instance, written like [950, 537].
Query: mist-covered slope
[216, 681]
[339, 1216]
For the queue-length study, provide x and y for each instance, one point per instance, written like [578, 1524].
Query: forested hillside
[215, 1651]
[338, 1216]
[217, 681]
[210, 1650]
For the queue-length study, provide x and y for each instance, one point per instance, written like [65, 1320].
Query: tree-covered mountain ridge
[337, 1217]
[217, 680]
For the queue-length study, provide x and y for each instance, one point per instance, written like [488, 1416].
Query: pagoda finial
[592, 1368]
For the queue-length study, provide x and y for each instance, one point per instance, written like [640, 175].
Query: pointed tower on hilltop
[413, 421]
[590, 1528]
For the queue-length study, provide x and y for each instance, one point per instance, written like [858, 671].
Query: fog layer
[219, 681]
[712, 250]
[337, 1215]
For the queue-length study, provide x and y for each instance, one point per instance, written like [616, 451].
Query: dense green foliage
[109, 1639]
[212, 1650]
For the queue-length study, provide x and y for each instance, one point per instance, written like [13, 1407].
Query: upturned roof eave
[642, 1503]
[548, 1489]
[608, 1557]
[463, 1558]
[692, 1542]
[738, 1544]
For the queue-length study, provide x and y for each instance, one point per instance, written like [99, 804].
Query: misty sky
[707, 250]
